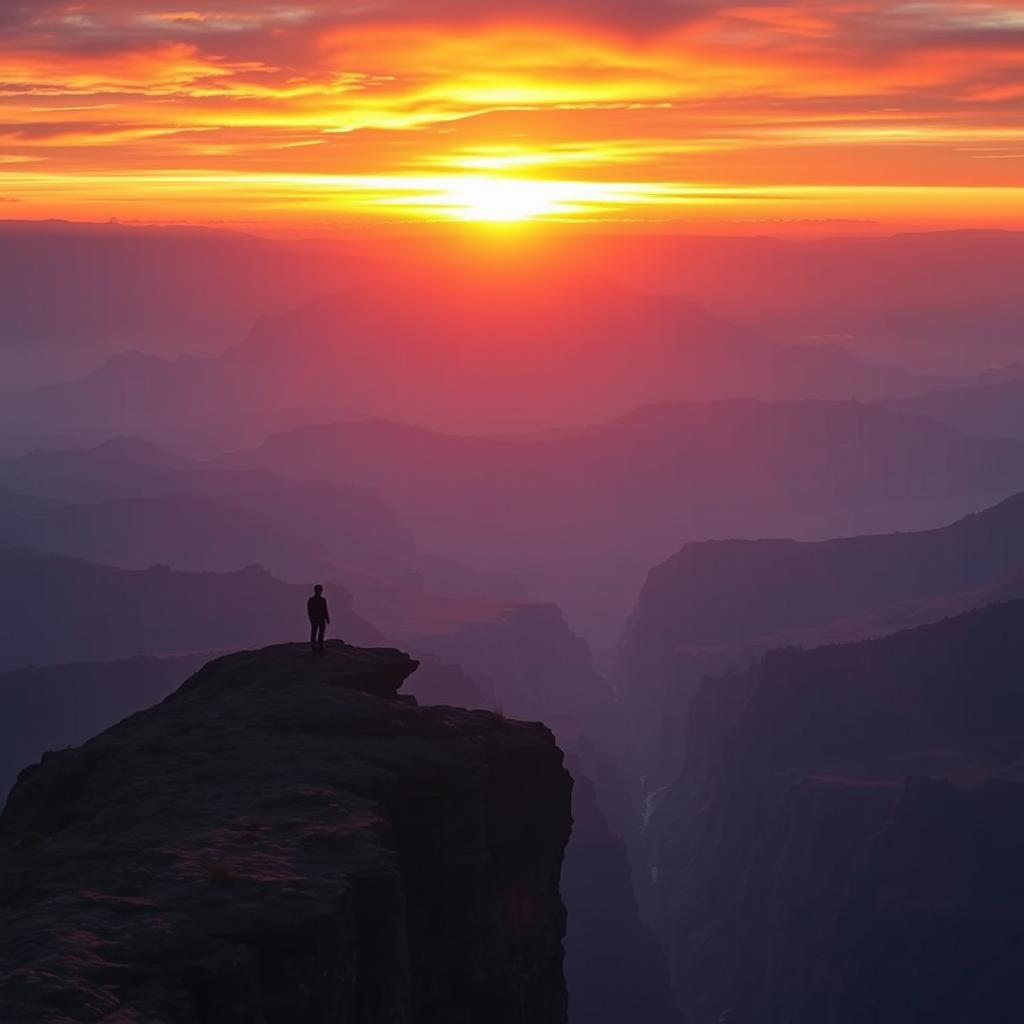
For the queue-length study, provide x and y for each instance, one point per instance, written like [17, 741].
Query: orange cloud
[172, 70]
[285, 110]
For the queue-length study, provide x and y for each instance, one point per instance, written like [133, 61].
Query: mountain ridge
[583, 516]
[718, 606]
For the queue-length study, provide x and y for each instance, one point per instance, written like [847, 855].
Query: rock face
[718, 606]
[846, 841]
[283, 839]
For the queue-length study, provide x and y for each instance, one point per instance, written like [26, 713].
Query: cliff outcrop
[285, 839]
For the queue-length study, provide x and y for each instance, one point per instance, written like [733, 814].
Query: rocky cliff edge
[286, 839]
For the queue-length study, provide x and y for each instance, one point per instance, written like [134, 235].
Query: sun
[505, 198]
[501, 200]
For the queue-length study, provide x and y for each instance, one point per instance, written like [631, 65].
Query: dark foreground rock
[276, 842]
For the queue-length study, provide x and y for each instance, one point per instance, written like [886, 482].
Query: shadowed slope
[845, 842]
[718, 605]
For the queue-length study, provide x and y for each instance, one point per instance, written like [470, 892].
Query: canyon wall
[845, 841]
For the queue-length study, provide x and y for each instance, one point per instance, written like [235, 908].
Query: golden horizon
[292, 115]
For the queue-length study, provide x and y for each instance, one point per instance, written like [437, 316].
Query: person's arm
[327, 614]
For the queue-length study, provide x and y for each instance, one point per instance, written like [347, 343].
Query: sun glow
[502, 200]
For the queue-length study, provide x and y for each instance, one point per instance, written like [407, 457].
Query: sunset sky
[348, 111]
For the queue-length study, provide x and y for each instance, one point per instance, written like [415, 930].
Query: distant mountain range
[579, 515]
[75, 294]
[945, 300]
[518, 349]
[582, 515]
[987, 409]
[60, 609]
[133, 504]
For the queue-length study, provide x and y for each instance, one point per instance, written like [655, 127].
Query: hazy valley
[683, 672]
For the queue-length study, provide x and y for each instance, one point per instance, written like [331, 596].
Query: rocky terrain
[285, 838]
[845, 841]
[718, 606]
[56, 706]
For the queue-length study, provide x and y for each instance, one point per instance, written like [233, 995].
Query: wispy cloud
[648, 96]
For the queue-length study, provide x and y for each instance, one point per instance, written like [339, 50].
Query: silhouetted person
[319, 617]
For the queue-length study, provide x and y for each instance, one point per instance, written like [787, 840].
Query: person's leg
[312, 636]
[321, 629]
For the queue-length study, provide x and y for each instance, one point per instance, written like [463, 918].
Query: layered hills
[992, 409]
[75, 293]
[582, 515]
[59, 609]
[524, 348]
[945, 299]
[135, 503]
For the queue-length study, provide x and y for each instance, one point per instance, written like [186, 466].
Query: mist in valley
[740, 520]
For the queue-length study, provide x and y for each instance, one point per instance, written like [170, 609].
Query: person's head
[318, 590]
